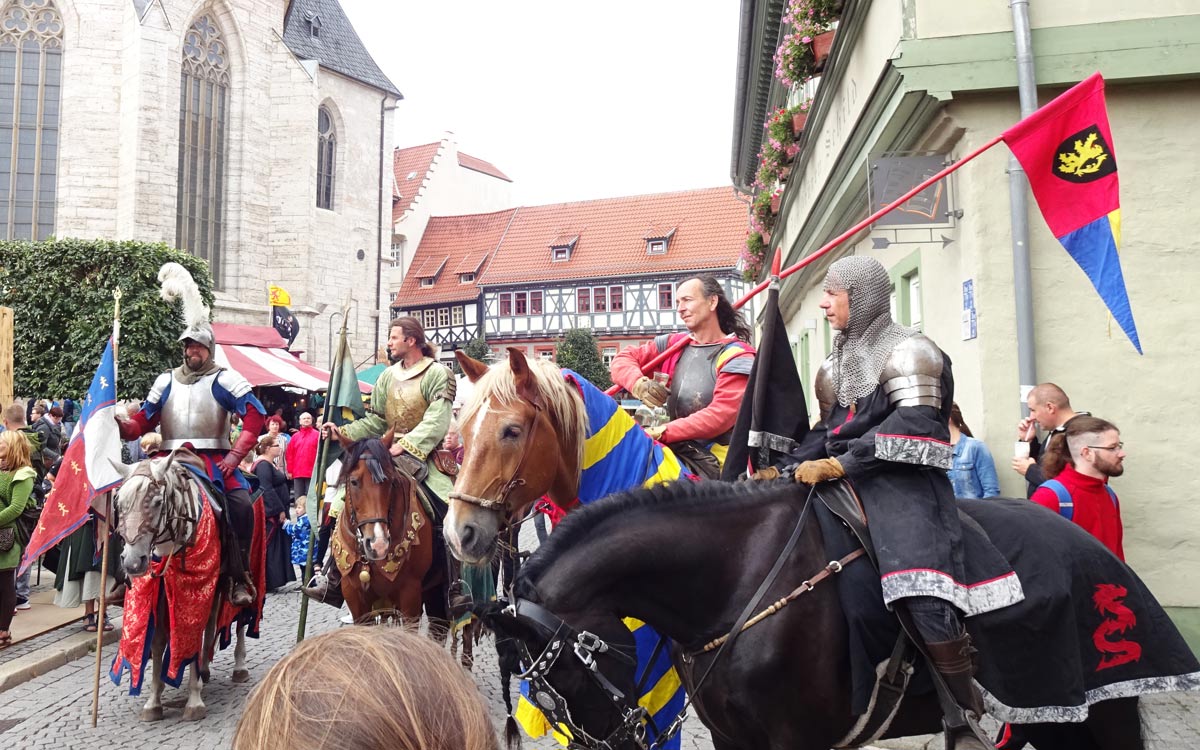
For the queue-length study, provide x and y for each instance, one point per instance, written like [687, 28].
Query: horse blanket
[1088, 629]
[618, 455]
[190, 581]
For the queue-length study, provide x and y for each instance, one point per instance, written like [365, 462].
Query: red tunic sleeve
[626, 367]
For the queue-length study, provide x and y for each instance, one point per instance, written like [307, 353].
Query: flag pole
[827, 247]
[766, 346]
[318, 477]
[103, 604]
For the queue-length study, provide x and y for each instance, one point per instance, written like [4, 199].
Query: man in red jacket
[302, 454]
[707, 377]
[1080, 491]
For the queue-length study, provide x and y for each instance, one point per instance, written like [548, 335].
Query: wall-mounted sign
[892, 176]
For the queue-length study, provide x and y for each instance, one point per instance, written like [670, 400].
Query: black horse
[684, 558]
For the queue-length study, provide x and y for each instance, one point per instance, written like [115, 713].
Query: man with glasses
[1080, 492]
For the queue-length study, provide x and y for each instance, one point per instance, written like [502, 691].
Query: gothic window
[31, 45]
[203, 145]
[326, 149]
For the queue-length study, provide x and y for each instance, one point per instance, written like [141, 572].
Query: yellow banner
[278, 296]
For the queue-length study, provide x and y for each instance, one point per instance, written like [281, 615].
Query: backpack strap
[1112, 496]
[1066, 506]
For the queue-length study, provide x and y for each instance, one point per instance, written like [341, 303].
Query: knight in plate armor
[192, 405]
[706, 379]
[414, 397]
[885, 394]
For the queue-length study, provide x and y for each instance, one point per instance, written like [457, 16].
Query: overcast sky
[571, 100]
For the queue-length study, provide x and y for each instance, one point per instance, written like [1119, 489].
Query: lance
[826, 248]
[104, 530]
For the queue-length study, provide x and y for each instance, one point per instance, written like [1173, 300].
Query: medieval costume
[192, 405]
[885, 394]
[707, 382]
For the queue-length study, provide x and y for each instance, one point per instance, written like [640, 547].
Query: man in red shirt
[707, 377]
[1080, 491]
[302, 454]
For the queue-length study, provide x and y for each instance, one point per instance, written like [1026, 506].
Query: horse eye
[510, 432]
[353, 482]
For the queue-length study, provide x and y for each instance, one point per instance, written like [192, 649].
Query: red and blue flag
[1066, 150]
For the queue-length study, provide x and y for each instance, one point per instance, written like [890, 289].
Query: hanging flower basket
[776, 199]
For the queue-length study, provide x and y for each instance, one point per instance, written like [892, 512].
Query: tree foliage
[476, 348]
[579, 351]
[61, 292]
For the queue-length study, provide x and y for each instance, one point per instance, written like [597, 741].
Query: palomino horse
[172, 555]
[685, 557]
[384, 542]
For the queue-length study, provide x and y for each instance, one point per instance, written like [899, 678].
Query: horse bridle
[501, 502]
[584, 646]
[357, 526]
[176, 527]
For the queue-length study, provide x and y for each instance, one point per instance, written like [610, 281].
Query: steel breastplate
[694, 380]
[406, 405]
[191, 414]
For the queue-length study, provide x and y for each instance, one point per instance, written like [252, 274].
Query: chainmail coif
[862, 349]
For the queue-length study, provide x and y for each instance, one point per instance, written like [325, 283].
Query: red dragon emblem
[1118, 619]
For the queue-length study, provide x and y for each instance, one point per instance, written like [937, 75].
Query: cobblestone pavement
[54, 710]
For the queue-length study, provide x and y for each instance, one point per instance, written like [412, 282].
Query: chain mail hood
[862, 349]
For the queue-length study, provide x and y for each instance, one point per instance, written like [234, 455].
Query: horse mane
[564, 404]
[177, 492]
[371, 450]
[680, 499]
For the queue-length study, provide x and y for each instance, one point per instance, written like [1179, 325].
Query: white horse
[159, 511]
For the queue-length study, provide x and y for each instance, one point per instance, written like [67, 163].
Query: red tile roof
[410, 165]
[479, 165]
[710, 232]
[431, 266]
[455, 241]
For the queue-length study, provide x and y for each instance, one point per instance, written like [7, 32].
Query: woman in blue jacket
[974, 472]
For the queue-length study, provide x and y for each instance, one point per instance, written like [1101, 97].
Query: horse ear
[472, 367]
[523, 377]
[388, 437]
[121, 468]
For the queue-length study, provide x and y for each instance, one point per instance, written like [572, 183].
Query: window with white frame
[656, 247]
[608, 354]
[466, 278]
[560, 254]
[428, 318]
[456, 315]
[443, 316]
[428, 281]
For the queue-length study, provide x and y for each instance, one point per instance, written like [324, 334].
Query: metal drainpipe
[383, 110]
[1018, 189]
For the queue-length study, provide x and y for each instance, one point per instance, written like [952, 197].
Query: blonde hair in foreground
[366, 687]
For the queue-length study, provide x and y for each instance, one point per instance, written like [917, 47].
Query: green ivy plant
[61, 293]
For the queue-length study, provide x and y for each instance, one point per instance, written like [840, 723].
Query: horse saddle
[842, 501]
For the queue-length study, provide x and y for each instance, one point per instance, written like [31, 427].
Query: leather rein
[394, 483]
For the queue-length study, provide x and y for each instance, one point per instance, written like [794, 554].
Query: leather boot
[963, 705]
[326, 586]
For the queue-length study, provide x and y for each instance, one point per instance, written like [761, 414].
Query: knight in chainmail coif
[885, 394]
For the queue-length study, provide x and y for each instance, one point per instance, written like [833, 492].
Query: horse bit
[584, 646]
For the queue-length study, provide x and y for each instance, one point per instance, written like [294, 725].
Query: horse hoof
[241, 675]
[194, 713]
[152, 714]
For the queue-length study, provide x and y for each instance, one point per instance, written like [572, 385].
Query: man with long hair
[707, 378]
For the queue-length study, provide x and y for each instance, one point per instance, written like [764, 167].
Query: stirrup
[967, 735]
[317, 588]
[242, 594]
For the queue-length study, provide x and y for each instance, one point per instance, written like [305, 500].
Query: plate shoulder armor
[912, 375]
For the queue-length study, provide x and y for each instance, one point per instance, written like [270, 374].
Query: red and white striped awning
[266, 365]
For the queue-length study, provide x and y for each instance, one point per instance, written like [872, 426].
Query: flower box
[775, 201]
[798, 121]
[821, 44]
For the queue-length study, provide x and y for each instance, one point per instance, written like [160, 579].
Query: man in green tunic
[414, 398]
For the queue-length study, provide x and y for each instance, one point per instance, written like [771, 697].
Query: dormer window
[314, 25]
[657, 239]
[562, 247]
[428, 281]
[466, 278]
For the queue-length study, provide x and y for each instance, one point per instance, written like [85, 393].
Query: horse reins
[501, 501]
[353, 516]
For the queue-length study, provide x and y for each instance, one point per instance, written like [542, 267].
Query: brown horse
[384, 542]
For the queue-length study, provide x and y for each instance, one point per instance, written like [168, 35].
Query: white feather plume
[177, 283]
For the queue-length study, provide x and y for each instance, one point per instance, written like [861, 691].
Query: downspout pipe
[383, 110]
[1018, 192]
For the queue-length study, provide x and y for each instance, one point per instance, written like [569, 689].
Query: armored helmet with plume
[177, 284]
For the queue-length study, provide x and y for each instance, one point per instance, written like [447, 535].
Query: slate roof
[710, 232]
[337, 48]
[410, 165]
[479, 165]
[458, 242]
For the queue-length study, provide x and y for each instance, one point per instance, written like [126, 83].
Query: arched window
[203, 142]
[326, 151]
[31, 42]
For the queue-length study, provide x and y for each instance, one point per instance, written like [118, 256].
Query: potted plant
[799, 116]
[762, 220]
[795, 61]
[753, 256]
[821, 44]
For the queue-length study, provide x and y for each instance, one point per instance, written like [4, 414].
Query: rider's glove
[823, 469]
[650, 392]
[765, 473]
[229, 464]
